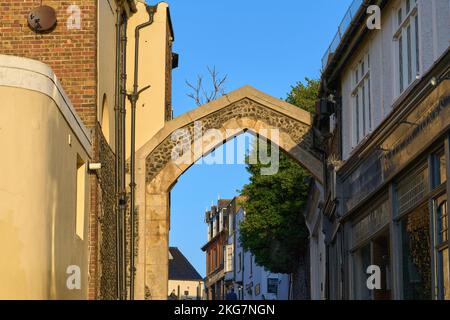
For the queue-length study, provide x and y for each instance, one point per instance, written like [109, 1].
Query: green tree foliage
[304, 95]
[274, 228]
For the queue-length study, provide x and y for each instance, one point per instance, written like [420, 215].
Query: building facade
[64, 87]
[243, 275]
[185, 283]
[384, 117]
[217, 221]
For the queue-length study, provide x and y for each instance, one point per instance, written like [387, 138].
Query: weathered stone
[231, 115]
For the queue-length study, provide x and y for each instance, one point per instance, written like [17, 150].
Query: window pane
[409, 58]
[408, 6]
[442, 222]
[440, 169]
[411, 190]
[399, 16]
[416, 22]
[400, 62]
[369, 103]
[446, 274]
[362, 262]
[416, 255]
[357, 118]
[364, 109]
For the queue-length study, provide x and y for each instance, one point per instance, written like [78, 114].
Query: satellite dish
[42, 19]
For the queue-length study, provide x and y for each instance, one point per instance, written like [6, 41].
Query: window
[80, 200]
[441, 248]
[412, 190]
[362, 260]
[407, 44]
[231, 224]
[251, 264]
[439, 169]
[214, 261]
[361, 97]
[229, 258]
[416, 254]
[272, 286]
[240, 262]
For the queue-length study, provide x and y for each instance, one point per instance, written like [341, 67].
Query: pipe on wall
[134, 97]
[122, 126]
[117, 150]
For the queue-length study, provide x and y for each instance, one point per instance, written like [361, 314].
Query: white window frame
[361, 101]
[407, 44]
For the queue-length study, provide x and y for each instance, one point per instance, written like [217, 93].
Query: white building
[249, 280]
[385, 119]
[317, 249]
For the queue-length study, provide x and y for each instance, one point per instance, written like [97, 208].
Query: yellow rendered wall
[38, 199]
[106, 68]
[152, 71]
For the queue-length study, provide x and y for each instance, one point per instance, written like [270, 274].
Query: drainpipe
[117, 159]
[134, 97]
[122, 164]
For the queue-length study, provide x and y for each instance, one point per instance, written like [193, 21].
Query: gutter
[351, 38]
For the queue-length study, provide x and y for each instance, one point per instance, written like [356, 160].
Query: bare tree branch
[202, 95]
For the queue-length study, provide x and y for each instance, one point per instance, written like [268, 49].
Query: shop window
[441, 248]
[362, 261]
[416, 255]
[412, 190]
[381, 257]
[377, 253]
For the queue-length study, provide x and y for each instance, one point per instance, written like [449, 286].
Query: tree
[304, 96]
[200, 94]
[274, 228]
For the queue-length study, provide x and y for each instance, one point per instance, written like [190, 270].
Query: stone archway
[239, 111]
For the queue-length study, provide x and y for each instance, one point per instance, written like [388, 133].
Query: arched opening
[105, 124]
[186, 139]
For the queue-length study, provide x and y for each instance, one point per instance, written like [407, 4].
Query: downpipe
[117, 155]
[134, 97]
[122, 165]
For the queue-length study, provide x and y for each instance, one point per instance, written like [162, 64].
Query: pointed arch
[245, 109]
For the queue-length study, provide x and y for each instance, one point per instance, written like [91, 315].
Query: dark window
[416, 255]
[272, 286]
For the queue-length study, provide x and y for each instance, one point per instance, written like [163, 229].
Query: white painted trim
[33, 75]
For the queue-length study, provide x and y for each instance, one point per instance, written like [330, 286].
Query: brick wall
[72, 54]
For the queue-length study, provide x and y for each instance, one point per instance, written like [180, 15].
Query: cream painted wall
[192, 286]
[41, 137]
[106, 67]
[434, 35]
[152, 71]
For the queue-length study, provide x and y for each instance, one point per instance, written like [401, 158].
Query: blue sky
[267, 44]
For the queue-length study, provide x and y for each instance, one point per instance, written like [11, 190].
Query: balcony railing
[342, 29]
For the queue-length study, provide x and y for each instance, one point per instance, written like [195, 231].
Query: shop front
[394, 208]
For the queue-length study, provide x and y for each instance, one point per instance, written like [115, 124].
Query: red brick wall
[72, 54]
